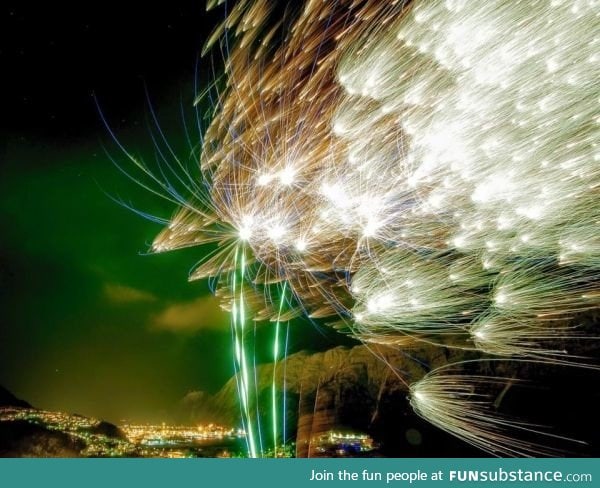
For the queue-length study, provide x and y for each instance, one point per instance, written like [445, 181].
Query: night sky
[90, 323]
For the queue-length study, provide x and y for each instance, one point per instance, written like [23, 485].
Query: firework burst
[426, 169]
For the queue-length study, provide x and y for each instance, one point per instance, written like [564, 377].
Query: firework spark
[426, 169]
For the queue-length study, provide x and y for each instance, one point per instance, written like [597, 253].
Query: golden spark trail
[423, 170]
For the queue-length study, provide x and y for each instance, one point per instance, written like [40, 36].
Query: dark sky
[88, 324]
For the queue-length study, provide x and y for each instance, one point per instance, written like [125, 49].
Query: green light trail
[238, 324]
[275, 358]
